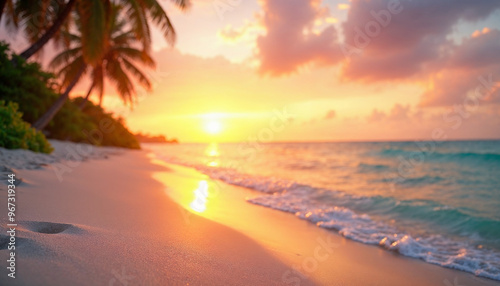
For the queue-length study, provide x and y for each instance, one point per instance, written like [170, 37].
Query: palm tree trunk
[61, 18]
[42, 122]
[84, 102]
[2, 6]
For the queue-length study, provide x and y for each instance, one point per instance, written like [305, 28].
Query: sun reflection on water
[199, 204]
[213, 164]
[212, 152]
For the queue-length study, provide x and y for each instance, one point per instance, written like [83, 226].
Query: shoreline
[299, 243]
[109, 223]
[131, 217]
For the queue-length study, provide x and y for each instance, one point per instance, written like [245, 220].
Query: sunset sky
[306, 70]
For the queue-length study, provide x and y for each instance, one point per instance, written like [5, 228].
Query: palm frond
[138, 21]
[159, 17]
[71, 71]
[11, 17]
[123, 84]
[36, 16]
[93, 30]
[138, 74]
[135, 54]
[65, 57]
[183, 4]
[64, 38]
[124, 39]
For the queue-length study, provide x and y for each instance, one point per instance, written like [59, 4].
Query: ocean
[435, 201]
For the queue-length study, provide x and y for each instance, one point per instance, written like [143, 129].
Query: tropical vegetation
[18, 134]
[117, 63]
[34, 90]
[95, 41]
[43, 20]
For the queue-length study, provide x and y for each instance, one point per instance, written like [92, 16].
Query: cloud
[412, 42]
[397, 113]
[376, 115]
[479, 51]
[472, 70]
[248, 32]
[237, 89]
[343, 6]
[407, 40]
[410, 123]
[391, 40]
[290, 42]
[230, 34]
[330, 114]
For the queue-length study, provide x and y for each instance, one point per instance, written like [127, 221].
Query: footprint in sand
[51, 227]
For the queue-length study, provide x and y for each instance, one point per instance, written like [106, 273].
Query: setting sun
[213, 127]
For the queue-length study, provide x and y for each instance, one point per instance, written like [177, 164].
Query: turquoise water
[436, 201]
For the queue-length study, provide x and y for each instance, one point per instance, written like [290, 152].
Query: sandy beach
[118, 217]
[259, 142]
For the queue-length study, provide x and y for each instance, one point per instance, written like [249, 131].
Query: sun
[213, 127]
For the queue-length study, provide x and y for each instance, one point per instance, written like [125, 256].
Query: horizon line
[335, 141]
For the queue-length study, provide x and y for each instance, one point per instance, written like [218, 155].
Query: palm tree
[41, 19]
[94, 16]
[117, 64]
[44, 30]
[34, 17]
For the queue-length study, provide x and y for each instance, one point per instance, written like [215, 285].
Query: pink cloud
[406, 39]
[397, 113]
[410, 123]
[393, 41]
[286, 46]
[472, 69]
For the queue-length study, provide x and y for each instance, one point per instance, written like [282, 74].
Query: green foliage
[118, 63]
[108, 130]
[18, 134]
[25, 83]
[35, 91]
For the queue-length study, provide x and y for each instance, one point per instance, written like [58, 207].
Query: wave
[359, 218]
[454, 220]
[440, 156]
[435, 249]
[233, 177]
[422, 180]
[368, 168]
[304, 165]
